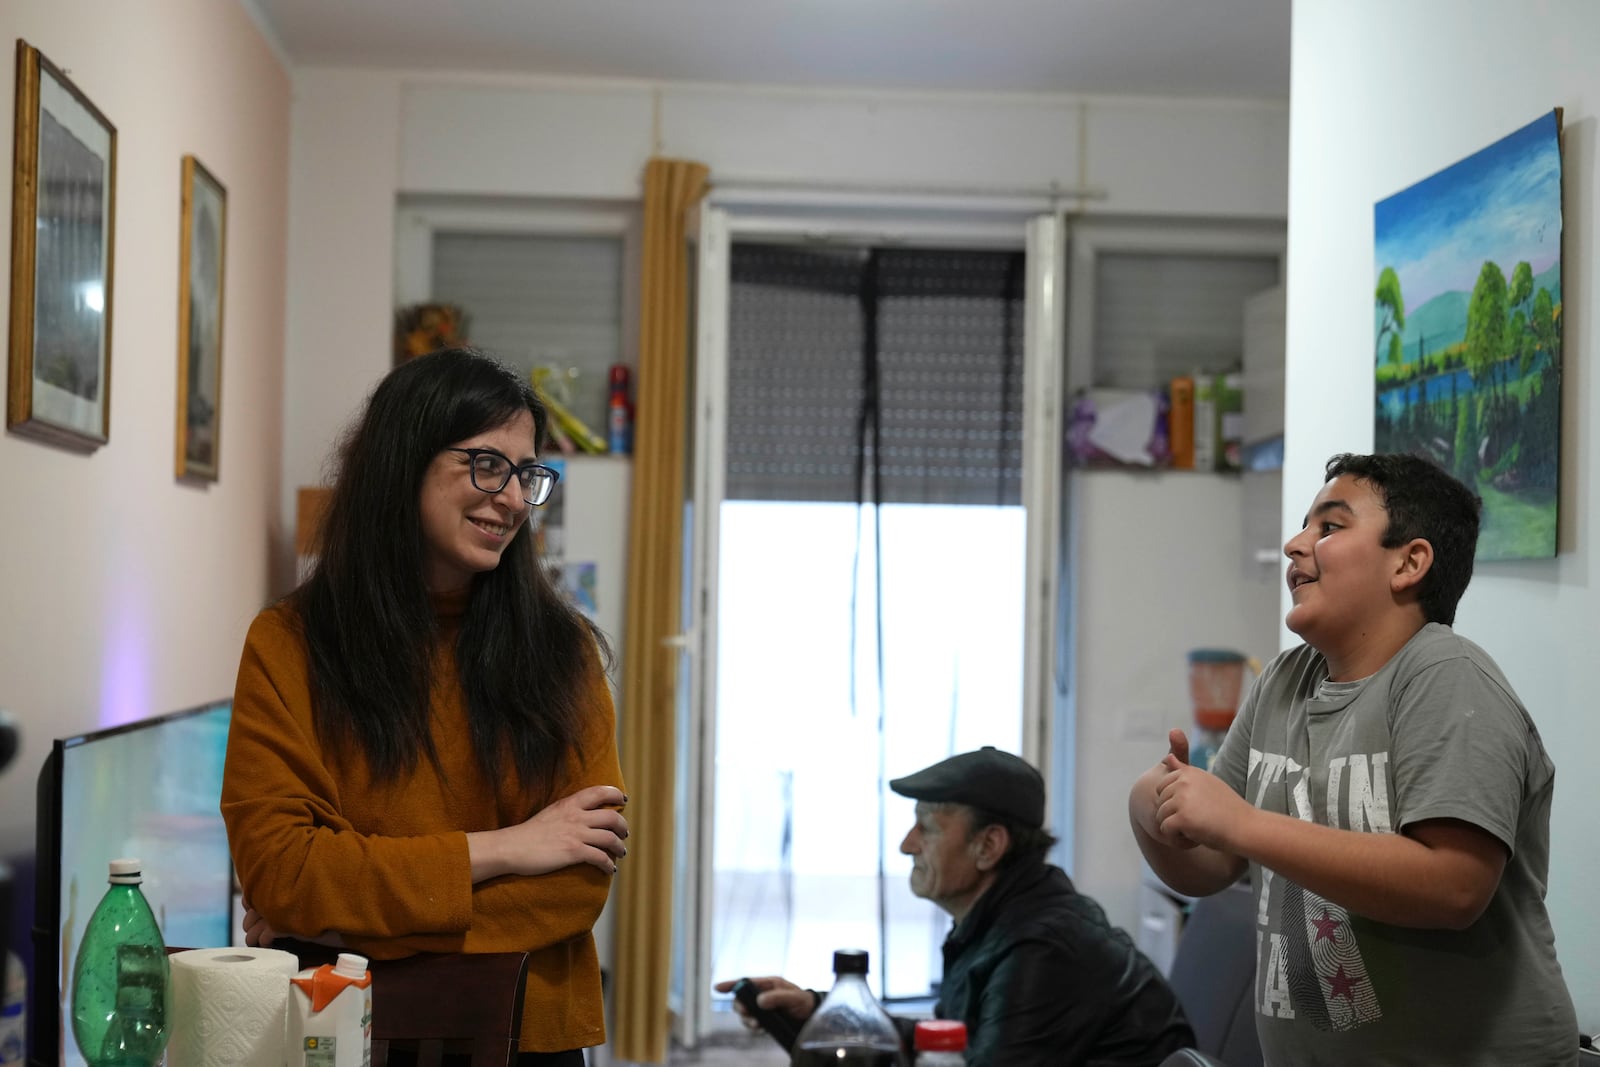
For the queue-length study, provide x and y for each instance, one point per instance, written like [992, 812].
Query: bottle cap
[619, 374]
[350, 965]
[126, 872]
[941, 1035]
[850, 961]
[1214, 718]
[1216, 655]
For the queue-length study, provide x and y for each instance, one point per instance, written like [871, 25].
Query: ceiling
[1211, 48]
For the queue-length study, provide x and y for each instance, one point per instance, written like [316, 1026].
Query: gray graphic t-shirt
[1436, 734]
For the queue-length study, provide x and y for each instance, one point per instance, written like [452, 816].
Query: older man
[1031, 965]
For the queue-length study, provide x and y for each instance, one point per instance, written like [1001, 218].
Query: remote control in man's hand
[780, 1027]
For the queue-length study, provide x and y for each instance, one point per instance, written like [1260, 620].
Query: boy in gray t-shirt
[1390, 797]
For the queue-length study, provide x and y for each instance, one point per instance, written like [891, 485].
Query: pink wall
[122, 592]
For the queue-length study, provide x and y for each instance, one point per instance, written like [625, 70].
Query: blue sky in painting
[1502, 203]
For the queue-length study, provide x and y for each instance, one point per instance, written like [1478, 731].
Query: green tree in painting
[1520, 343]
[1521, 285]
[1466, 455]
[1546, 334]
[1393, 309]
[1486, 323]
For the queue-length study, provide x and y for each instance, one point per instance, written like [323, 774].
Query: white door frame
[1037, 229]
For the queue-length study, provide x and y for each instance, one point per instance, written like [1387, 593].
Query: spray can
[619, 413]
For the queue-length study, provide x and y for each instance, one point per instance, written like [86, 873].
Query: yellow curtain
[655, 576]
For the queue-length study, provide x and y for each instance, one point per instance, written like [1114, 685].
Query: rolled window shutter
[950, 389]
[535, 300]
[1159, 316]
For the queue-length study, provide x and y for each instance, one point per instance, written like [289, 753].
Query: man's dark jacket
[1042, 979]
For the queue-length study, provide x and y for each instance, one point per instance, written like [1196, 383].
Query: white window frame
[1031, 225]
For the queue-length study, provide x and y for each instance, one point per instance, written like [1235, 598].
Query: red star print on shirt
[1327, 927]
[1340, 984]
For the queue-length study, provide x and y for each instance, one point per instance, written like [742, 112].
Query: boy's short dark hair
[1423, 500]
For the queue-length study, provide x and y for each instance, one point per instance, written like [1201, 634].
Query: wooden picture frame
[63, 225]
[202, 258]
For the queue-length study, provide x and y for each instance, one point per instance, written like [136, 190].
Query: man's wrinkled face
[944, 856]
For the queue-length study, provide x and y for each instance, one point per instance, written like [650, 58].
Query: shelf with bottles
[1195, 422]
[569, 434]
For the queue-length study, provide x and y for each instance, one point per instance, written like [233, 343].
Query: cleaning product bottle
[330, 1014]
[121, 978]
[619, 413]
[13, 1012]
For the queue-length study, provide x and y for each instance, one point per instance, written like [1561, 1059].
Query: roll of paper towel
[229, 1007]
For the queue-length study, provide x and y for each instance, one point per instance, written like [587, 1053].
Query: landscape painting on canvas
[1467, 333]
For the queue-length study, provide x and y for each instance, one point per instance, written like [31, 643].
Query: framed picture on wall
[201, 257]
[1468, 325]
[63, 209]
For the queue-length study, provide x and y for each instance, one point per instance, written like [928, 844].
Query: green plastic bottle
[121, 980]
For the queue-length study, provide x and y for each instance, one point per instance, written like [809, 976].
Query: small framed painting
[202, 252]
[63, 210]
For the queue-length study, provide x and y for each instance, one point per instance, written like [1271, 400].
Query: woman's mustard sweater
[319, 846]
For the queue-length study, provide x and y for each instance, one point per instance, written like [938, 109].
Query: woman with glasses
[423, 749]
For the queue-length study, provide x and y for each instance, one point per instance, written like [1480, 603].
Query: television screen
[150, 790]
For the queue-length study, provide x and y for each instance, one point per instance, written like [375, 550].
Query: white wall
[342, 179]
[1373, 112]
[1164, 568]
[125, 593]
[362, 137]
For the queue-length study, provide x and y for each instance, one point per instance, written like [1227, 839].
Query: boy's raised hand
[1176, 758]
[1193, 806]
[1177, 749]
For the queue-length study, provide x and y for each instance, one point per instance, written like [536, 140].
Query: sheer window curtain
[655, 548]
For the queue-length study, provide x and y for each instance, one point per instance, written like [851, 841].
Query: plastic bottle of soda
[849, 1028]
[121, 978]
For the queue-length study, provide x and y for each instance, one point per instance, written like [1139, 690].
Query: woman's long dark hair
[524, 652]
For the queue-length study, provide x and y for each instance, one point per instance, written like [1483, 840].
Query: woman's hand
[586, 827]
[258, 933]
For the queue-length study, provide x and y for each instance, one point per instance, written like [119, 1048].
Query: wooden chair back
[434, 1005]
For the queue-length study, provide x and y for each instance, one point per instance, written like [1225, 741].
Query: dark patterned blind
[843, 361]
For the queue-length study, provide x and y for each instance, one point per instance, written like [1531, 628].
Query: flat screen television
[149, 789]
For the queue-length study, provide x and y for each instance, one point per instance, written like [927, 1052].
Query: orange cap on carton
[327, 982]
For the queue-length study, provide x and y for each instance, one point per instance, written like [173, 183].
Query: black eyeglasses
[491, 471]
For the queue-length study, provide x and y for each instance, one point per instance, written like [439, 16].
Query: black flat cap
[995, 781]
